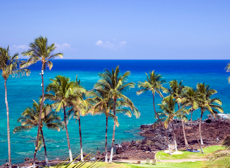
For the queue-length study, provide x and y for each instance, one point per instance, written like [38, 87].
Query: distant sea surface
[22, 91]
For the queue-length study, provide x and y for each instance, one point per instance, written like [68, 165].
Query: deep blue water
[22, 91]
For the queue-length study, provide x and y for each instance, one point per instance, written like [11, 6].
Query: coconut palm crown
[41, 51]
[190, 99]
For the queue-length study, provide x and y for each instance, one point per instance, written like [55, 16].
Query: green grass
[188, 155]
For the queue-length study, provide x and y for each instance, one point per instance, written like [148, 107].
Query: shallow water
[22, 91]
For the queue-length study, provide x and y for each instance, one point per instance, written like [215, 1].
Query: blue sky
[121, 29]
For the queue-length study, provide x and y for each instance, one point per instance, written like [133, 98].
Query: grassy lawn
[188, 155]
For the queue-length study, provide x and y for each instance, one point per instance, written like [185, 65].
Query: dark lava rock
[126, 145]
[145, 126]
[116, 157]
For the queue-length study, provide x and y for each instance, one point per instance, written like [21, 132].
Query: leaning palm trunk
[67, 136]
[201, 140]
[79, 122]
[185, 139]
[39, 123]
[197, 139]
[114, 127]
[8, 125]
[161, 123]
[183, 128]
[106, 130]
[43, 139]
[174, 135]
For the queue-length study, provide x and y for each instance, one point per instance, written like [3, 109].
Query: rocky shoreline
[213, 131]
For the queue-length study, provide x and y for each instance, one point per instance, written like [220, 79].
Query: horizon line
[140, 59]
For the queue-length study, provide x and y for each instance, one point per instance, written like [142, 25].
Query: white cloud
[99, 43]
[111, 45]
[19, 48]
[62, 46]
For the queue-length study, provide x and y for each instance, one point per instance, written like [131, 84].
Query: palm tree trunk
[39, 123]
[114, 127]
[183, 128]
[197, 139]
[79, 122]
[191, 117]
[201, 140]
[185, 139]
[174, 135]
[106, 131]
[43, 139]
[67, 136]
[161, 123]
[8, 125]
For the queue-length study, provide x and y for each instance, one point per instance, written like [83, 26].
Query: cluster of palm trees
[180, 101]
[106, 97]
[68, 96]
[74, 100]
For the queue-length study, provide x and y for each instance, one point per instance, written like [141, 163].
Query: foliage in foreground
[158, 165]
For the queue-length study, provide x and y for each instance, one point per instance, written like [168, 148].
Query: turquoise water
[22, 91]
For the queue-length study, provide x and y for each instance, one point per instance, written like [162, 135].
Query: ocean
[22, 91]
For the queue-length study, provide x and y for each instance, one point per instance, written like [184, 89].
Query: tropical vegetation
[108, 96]
[30, 119]
[40, 51]
[9, 66]
[154, 84]
[207, 103]
[115, 84]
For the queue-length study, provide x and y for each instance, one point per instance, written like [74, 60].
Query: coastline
[154, 141]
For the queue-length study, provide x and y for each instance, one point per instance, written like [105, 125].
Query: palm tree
[61, 92]
[9, 65]
[168, 107]
[79, 107]
[176, 90]
[115, 83]
[100, 104]
[30, 118]
[206, 103]
[40, 51]
[190, 99]
[154, 84]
